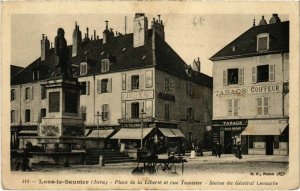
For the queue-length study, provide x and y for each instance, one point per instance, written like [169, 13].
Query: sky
[190, 35]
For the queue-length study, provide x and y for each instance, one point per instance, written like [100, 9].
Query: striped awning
[28, 132]
[131, 133]
[265, 129]
[103, 133]
[171, 132]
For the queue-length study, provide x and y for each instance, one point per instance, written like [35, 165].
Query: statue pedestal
[63, 126]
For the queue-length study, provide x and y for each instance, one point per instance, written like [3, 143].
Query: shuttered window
[232, 107]
[135, 82]
[105, 112]
[262, 106]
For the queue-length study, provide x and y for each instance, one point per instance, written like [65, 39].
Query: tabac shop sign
[230, 123]
[136, 95]
[255, 89]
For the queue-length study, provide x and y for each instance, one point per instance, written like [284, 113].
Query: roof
[122, 55]
[245, 45]
[15, 69]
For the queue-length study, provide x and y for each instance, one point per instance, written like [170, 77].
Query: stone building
[128, 81]
[250, 91]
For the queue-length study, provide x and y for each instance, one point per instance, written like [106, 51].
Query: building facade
[128, 81]
[250, 91]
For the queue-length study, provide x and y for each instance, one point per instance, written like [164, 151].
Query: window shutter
[99, 86]
[128, 110]
[141, 81]
[123, 110]
[88, 88]
[236, 107]
[253, 74]
[123, 81]
[241, 75]
[225, 78]
[229, 107]
[109, 85]
[31, 96]
[271, 73]
[129, 81]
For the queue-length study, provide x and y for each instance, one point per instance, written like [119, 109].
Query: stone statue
[62, 53]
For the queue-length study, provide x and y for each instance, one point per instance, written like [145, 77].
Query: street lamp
[98, 115]
[142, 124]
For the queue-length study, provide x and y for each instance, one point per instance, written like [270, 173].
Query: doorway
[269, 145]
[227, 142]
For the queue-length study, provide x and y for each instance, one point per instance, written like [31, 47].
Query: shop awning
[28, 132]
[131, 133]
[177, 133]
[171, 132]
[265, 129]
[103, 133]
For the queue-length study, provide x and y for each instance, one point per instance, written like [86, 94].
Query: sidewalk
[230, 158]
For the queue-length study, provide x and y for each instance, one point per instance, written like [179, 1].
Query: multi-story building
[250, 90]
[128, 81]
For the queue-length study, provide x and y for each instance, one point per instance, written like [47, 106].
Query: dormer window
[105, 65]
[35, 75]
[263, 42]
[83, 68]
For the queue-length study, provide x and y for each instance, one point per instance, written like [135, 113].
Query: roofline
[247, 55]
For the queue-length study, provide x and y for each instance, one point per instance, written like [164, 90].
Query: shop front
[267, 137]
[228, 134]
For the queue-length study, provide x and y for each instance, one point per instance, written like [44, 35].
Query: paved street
[205, 164]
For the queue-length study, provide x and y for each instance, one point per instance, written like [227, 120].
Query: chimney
[45, 47]
[95, 35]
[107, 35]
[274, 19]
[254, 21]
[140, 30]
[77, 40]
[262, 21]
[158, 27]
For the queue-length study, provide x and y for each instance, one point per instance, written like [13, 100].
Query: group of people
[237, 150]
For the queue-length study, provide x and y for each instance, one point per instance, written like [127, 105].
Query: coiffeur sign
[267, 88]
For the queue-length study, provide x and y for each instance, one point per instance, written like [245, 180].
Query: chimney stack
[140, 30]
[274, 19]
[262, 21]
[158, 27]
[45, 47]
[107, 34]
[77, 40]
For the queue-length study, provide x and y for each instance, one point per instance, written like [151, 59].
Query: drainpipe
[282, 69]
[94, 95]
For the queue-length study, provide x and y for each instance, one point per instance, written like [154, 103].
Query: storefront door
[227, 142]
[269, 145]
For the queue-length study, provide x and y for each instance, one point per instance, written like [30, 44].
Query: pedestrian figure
[219, 149]
[25, 160]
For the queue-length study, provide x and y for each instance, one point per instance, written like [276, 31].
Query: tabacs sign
[230, 123]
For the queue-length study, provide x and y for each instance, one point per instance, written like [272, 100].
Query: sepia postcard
[168, 95]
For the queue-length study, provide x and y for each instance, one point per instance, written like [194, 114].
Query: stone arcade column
[63, 126]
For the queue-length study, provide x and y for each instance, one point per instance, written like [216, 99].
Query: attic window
[233, 48]
[83, 68]
[123, 49]
[143, 57]
[105, 65]
[263, 42]
[35, 75]
[101, 53]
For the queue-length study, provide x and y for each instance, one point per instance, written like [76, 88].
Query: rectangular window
[135, 82]
[233, 75]
[189, 114]
[13, 116]
[105, 65]
[104, 85]
[105, 112]
[12, 94]
[43, 112]
[189, 89]
[149, 79]
[135, 106]
[83, 68]
[123, 81]
[83, 88]
[35, 75]
[83, 112]
[263, 73]
[262, 106]
[43, 92]
[27, 93]
[167, 85]
[262, 44]
[27, 115]
[167, 111]
[232, 107]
